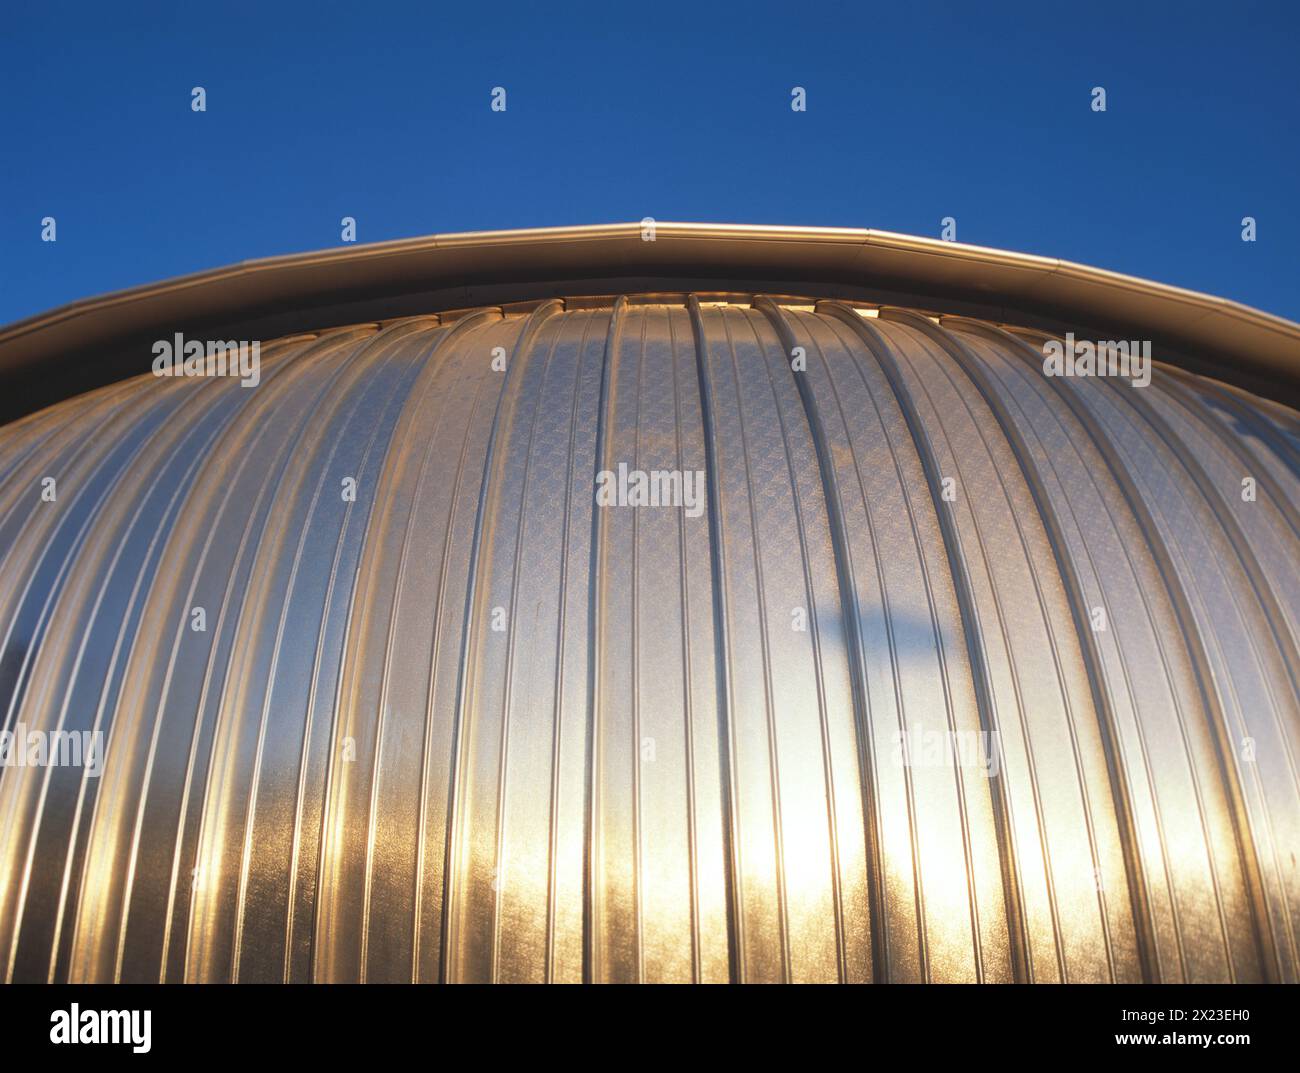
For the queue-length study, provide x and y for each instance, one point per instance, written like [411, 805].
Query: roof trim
[275, 296]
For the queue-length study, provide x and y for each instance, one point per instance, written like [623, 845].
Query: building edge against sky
[917, 665]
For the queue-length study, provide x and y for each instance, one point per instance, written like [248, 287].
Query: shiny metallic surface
[470, 725]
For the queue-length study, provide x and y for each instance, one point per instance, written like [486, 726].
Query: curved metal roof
[98, 340]
[857, 717]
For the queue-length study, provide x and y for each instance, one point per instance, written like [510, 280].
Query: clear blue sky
[618, 110]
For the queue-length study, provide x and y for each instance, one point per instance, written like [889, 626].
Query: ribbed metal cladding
[471, 726]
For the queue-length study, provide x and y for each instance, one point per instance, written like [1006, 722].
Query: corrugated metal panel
[471, 726]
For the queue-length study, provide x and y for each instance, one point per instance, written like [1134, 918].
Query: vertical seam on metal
[1282, 637]
[634, 680]
[358, 345]
[852, 621]
[1139, 902]
[504, 411]
[765, 648]
[338, 685]
[735, 923]
[139, 595]
[478, 319]
[433, 346]
[595, 602]
[1246, 851]
[814, 632]
[557, 709]
[507, 680]
[879, 349]
[688, 698]
[388, 335]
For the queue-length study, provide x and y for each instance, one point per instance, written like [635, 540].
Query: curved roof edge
[75, 347]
